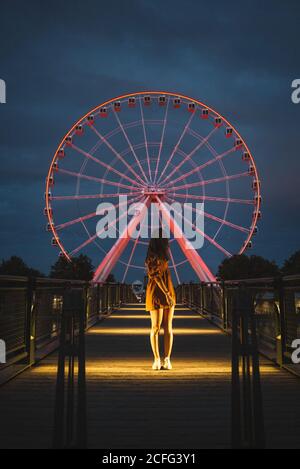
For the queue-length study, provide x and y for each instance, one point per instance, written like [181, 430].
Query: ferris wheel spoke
[76, 220]
[105, 165]
[222, 221]
[116, 153]
[196, 261]
[108, 135]
[92, 196]
[161, 140]
[130, 257]
[132, 150]
[110, 259]
[211, 181]
[145, 139]
[92, 238]
[200, 167]
[213, 199]
[96, 179]
[176, 146]
[211, 240]
[174, 266]
[189, 156]
[91, 215]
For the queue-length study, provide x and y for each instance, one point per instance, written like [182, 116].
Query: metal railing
[69, 430]
[276, 303]
[79, 303]
[262, 316]
[31, 312]
[38, 315]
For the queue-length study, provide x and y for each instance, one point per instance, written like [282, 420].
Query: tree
[241, 266]
[16, 266]
[80, 268]
[292, 265]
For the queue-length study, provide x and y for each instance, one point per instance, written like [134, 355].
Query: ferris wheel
[157, 149]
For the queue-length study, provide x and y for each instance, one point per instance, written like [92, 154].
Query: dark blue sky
[59, 59]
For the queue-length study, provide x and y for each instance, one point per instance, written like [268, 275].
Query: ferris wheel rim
[256, 204]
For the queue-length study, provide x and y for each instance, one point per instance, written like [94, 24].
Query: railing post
[69, 427]
[59, 408]
[121, 293]
[88, 313]
[81, 430]
[113, 295]
[224, 306]
[281, 337]
[202, 297]
[236, 431]
[258, 414]
[30, 321]
[107, 296]
[117, 294]
[211, 298]
[247, 423]
[98, 300]
[181, 293]
[104, 297]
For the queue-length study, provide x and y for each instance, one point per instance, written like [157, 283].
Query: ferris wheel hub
[153, 192]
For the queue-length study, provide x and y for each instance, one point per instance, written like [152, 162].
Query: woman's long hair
[159, 246]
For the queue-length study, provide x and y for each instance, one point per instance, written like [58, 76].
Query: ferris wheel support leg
[110, 259]
[202, 271]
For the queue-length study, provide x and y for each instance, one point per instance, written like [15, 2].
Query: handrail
[31, 313]
[276, 312]
[267, 324]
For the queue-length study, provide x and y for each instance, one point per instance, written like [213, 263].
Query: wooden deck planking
[132, 406]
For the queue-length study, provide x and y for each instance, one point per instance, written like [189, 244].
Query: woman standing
[160, 298]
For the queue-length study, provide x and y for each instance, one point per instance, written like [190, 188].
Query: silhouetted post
[81, 433]
[70, 401]
[247, 423]
[59, 409]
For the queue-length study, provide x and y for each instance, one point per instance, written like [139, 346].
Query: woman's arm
[153, 266]
[159, 281]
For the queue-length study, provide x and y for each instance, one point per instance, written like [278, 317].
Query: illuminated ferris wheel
[149, 148]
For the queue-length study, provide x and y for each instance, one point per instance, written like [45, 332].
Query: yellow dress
[159, 280]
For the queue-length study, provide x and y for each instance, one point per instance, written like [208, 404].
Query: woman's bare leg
[156, 320]
[168, 330]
